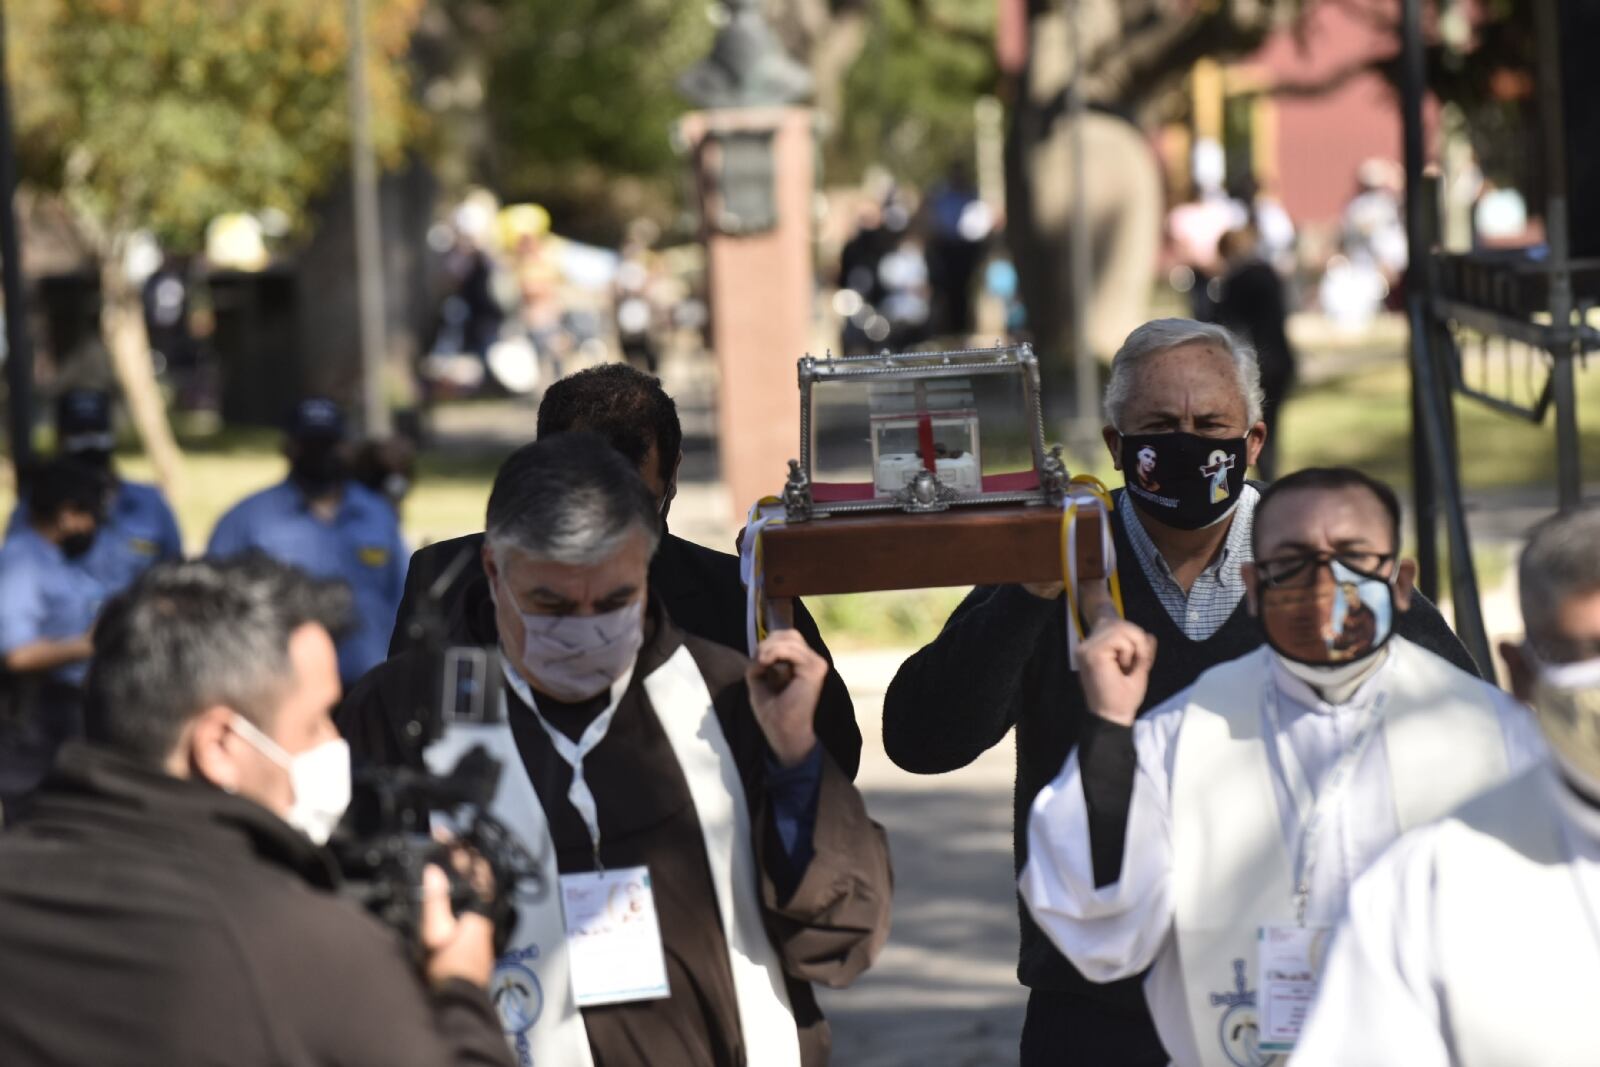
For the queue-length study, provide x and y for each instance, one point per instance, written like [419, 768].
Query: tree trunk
[1122, 203]
[122, 328]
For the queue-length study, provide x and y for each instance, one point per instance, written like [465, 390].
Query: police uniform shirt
[44, 597]
[361, 547]
[139, 531]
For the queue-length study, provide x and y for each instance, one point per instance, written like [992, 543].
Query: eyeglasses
[1300, 572]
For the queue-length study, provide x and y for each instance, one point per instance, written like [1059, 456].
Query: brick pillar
[760, 296]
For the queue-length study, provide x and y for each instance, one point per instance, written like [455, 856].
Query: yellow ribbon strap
[1086, 489]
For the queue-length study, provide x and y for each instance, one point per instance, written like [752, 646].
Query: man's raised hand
[1114, 669]
[787, 717]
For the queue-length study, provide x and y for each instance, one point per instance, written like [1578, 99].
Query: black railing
[1503, 328]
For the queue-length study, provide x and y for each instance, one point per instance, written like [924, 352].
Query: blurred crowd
[519, 305]
[917, 268]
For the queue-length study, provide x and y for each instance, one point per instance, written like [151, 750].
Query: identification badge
[613, 937]
[1290, 958]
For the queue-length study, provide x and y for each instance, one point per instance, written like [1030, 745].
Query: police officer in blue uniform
[139, 528]
[330, 526]
[48, 604]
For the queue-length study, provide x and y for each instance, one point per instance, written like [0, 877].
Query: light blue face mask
[1566, 701]
[1354, 625]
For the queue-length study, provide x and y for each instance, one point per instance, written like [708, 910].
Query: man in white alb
[1214, 840]
[1476, 941]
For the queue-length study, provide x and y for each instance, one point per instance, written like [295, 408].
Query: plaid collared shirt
[1215, 594]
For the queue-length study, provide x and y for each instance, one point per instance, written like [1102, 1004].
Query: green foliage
[163, 114]
[909, 96]
[582, 90]
[906, 618]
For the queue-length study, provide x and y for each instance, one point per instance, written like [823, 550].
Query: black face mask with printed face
[1184, 480]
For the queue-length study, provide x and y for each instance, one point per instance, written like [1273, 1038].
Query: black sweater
[1001, 661]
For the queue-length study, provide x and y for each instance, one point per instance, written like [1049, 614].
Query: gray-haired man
[1183, 414]
[706, 859]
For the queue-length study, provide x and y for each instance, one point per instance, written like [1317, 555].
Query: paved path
[944, 993]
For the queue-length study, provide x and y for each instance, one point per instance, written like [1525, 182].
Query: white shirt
[1383, 966]
[1121, 929]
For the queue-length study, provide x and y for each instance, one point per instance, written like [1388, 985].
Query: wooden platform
[971, 546]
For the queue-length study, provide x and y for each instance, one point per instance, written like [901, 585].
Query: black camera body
[387, 838]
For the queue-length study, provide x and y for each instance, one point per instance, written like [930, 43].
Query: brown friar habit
[827, 922]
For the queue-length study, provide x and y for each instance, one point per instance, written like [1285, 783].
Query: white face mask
[1567, 701]
[575, 657]
[319, 777]
[1336, 684]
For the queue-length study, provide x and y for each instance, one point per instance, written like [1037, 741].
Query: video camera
[386, 840]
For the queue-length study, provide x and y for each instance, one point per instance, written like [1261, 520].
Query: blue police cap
[316, 418]
[83, 421]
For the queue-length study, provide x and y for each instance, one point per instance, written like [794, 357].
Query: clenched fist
[1114, 669]
[787, 718]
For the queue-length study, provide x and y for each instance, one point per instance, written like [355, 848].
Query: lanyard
[573, 752]
[1313, 812]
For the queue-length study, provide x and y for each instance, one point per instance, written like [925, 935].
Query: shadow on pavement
[944, 993]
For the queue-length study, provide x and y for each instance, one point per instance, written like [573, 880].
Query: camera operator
[166, 900]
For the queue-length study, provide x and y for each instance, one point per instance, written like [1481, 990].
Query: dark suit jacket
[698, 586]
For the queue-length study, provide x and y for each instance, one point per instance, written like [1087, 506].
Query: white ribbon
[765, 512]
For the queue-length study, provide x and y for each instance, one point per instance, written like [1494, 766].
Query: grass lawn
[1364, 420]
[220, 469]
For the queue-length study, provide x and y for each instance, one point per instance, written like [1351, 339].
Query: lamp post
[369, 245]
[751, 144]
[19, 349]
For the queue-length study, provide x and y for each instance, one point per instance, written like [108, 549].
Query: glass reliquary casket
[921, 432]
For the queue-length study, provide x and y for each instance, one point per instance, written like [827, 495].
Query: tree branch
[1334, 79]
[1367, 15]
[945, 27]
[1133, 69]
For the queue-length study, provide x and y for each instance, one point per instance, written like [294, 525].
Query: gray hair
[570, 498]
[1562, 560]
[1159, 335]
[189, 636]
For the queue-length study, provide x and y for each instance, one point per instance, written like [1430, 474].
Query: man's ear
[1252, 589]
[1113, 441]
[672, 485]
[206, 751]
[1254, 440]
[1405, 580]
[491, 570]
[1519, 670]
